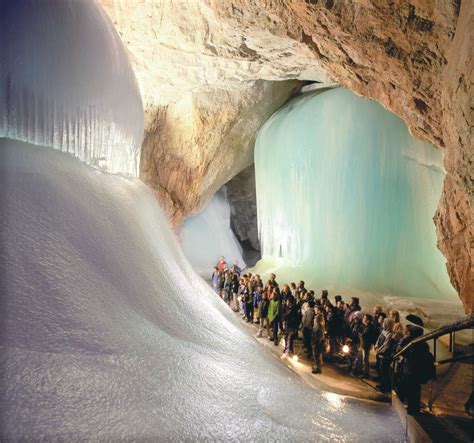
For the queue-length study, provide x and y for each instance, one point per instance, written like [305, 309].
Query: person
[384, 349]
[366, 340]
[235, 293]
[397, 326]
[355, 341]
[299, 290]
[249, 296]
[271, 282]
[215, 280]
[291, 320]
[352, 307]
[317, 341]
[227, 286]
[242, 290]
[416, 368]
[263, 305]
[324, 296]
[236, 269]
[221, 264]
[220, 284]
[377, 311]
[256, 300]
[378, 325]
[293, 289]
[332, 329]
[285, 292]
[274, 315]
[308, 320]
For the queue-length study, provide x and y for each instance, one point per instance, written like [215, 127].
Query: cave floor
[335, 378]
[446, 422]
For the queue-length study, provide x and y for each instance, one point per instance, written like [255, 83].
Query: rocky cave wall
[207, 71]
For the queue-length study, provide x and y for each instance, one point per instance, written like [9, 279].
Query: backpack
[425, 370]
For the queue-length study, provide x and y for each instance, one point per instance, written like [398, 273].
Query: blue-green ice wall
[346, 198]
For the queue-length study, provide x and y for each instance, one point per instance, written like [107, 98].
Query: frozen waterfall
[207, 236]
[66, 82]
[346, 198]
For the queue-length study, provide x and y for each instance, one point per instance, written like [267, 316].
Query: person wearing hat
[415, 368]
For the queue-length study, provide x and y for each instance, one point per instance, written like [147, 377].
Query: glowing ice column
[207, 236]
[346, 198]
[66, 82]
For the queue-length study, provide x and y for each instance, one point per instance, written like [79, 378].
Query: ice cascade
[66, 82]
[207, 236]
[346, 198]
[107, 332]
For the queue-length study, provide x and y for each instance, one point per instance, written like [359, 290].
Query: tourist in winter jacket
[227, 286]
[413, 369]
[317, 341]
[366, 340]
[248, 296]
[291, 321]
[332, 328]
[384, 349]
[263, 305]
[235, 293]
[308, 321]
[273, 315]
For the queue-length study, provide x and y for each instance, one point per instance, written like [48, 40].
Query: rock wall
[242, 198]
[455, 215]
[205, 65]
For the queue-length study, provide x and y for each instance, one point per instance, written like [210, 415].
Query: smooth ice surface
[66, 82]
[108, 333]
[207, 236]
[346, 198]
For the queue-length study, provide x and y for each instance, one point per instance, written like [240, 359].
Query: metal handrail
[465, 323]
[454, 359]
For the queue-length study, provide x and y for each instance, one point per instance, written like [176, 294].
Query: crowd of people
[330, 329]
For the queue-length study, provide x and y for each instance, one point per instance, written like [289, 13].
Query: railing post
[430, 401]
[451, 342]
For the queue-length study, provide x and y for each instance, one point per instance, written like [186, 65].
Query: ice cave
[141, 142]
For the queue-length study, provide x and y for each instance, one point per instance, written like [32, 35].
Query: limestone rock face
[241, 194]
[194, 146]
[205, 69]
[454, 218]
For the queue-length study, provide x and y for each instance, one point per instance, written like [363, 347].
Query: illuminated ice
[346, 198]
[109, 334]
[207, 236]
[66, 82]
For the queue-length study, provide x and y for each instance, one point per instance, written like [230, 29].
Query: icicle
[67, 56]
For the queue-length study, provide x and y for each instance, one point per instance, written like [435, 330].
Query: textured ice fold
[66, 82]
[108, 334]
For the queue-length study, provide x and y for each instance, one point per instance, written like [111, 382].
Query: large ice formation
[207, 236]
[108, 333]
[346, 198]
[66, 82]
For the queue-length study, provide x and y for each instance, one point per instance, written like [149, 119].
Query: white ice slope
[107, 332]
